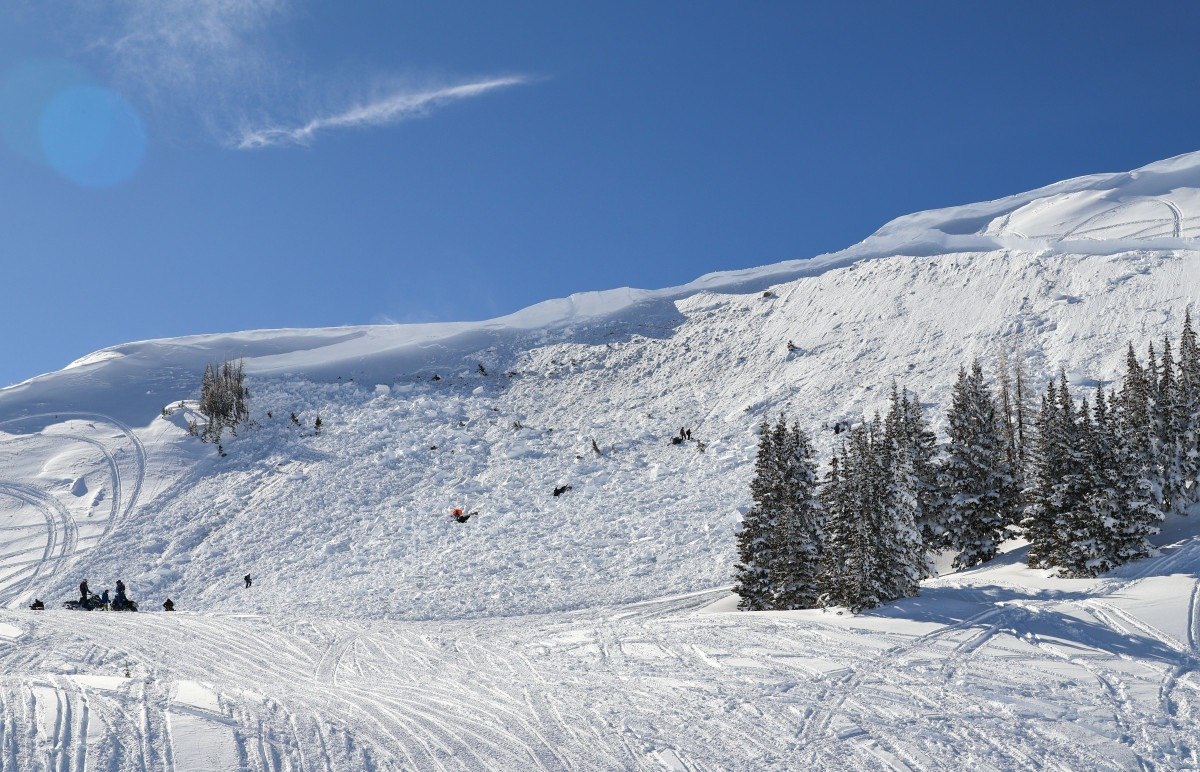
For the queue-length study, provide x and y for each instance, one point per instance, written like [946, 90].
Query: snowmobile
[96, 603]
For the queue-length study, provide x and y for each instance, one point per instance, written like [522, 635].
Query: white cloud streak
[196, 45]
[231, 70]
[392, 109]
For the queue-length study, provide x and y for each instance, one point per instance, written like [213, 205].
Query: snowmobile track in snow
[62, 532]
[62, 528]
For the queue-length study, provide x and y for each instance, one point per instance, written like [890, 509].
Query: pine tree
[1089, 502]
[1025, 417]
[1141, 481]
[797, 552]
[979, 484]
[923, 448]
[1188, 403]
[1043, 522]
[756, 540]
[850, 575]
[903, 561]
[224, 399]
[1006, 404]
[1168, 427]
[1112, 492]
[839, 540]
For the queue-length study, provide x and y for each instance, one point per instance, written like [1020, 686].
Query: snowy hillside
[386, 620]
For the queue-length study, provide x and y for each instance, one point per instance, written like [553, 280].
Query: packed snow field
[593, 629]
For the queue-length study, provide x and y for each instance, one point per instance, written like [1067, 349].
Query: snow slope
[561, 632]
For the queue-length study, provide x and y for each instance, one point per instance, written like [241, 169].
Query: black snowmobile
[96, 603]
[93, 601]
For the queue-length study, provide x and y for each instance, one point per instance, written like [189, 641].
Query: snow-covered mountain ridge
[594, 629]
[1155, 208]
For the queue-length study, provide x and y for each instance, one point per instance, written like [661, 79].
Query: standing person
[120, 600]
[168, 605]
[83, 592]
[247, 578]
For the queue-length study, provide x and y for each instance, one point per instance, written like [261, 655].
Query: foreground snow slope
[998, 668]
[379, 632]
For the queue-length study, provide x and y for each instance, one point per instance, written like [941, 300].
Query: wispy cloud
[392, 109]
[189, 46]
[232, 69]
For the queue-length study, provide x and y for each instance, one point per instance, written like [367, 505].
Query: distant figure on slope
[119, 602]
[792, 347]
[37, 605]
[460, 516]
[247, 578]
[83, 593]
[168, 605]
[104, 597]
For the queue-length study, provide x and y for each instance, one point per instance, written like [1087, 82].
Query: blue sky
[171, 167]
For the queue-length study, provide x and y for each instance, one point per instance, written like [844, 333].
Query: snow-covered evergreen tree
[923, 447]
[1189, 407]
[873, 498]
[840, 538]
[1167, 422]
[757, 538]
[1025, 419]
[797, 552]
[224, 399]
[1043, 522]
[978, 481]
[1090, 503]
[904, 558]
[1138, 466]
[1056, 522]
[852, 577]
[1114, 503]
[1008, 415]
[779, 546]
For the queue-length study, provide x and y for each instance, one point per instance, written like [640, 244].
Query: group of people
[119, 602]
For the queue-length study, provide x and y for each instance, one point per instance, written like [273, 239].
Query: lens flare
[53, 113]
[92, 136]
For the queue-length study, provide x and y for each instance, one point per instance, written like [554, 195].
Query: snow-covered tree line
[1086, 482]
[853, 540]
[1102, 475]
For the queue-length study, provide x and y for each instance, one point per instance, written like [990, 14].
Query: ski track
[492, 695]
[62, 530]
[1194, 619]
[460, 709]
[62, 533]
